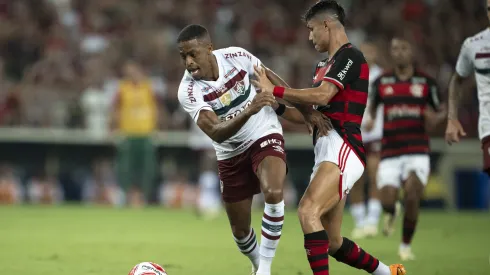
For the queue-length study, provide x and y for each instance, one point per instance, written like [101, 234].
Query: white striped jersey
[228, 96]
[475, 57]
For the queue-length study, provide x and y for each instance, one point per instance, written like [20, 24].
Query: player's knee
[273, 195]
[308, 211]
[240, 232]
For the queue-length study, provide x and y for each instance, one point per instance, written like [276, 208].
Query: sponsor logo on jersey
[190, 92]
[237, 112]
[230, 72]
[237, 54]
[278, 148]
[341, 75]
[404, 111]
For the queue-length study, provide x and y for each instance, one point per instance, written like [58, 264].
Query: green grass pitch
[80, 240]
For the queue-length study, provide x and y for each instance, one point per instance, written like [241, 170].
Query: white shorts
[395, 170]
[333, 148]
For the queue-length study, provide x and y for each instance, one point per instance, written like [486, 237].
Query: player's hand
[369, 124]
[454, 131]
[261, 81]
[321, 121]
[260, 100]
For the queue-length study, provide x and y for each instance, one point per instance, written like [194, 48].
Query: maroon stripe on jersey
[364, 71]
[228, 85]
[405, 151]
[482, 55]
[403, 123]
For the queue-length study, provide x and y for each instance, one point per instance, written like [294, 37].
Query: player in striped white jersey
[366, 219]
[474, 57]
[217, 93]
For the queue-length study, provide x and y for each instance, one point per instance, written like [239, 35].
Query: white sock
[373, 212]
[272, 222]
[248, 246]
[382, 269]
[404, 245]
[358, 212]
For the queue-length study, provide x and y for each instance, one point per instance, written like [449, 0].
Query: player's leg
[238, 186]
[373, 204]
[124, 168]
[269, 163]
[346, 251]
[358, 207]
[388, 183]
[209, 203]
[486, 154]
[149, 167]
[416, 175]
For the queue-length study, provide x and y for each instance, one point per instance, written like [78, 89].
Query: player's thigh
[238, 182]
[486, 154]
[356, 194]
[418, 166]
[389, 173]
[240, 216]
[332, 222]
[269, 163]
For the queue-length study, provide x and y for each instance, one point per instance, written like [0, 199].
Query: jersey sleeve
[345, 69]
[434, 99]
[464, 65]
[192, 101]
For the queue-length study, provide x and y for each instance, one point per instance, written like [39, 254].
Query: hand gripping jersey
[227, 97]
[349, 71]
[475, 57]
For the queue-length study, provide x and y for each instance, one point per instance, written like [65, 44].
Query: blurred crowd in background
[62, 61]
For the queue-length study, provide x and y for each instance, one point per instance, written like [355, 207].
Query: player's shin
[272, 222]
[413, 193]
[351, 254]
[249, 247]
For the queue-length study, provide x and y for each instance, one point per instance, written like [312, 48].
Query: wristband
[280, 110]
[278, 91]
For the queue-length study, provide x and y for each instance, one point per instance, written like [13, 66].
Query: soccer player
[217, 93]
[411, 100]
[339, 90]
[366, 222]
[474, 56]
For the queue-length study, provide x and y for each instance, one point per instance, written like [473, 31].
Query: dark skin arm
[219, 131]
[454, 129]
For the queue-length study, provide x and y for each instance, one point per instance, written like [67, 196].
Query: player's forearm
[310, 96]
[226, 129]
[294, 115]
[305, 110]
[454, 95]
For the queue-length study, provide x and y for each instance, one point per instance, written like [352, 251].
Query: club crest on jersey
[388, 90]
[225, 99]
[417, 90]
[239, 87]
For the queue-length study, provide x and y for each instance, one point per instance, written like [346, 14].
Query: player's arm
[464, 68]
[345, 70]
[435, 114]
[210, 124]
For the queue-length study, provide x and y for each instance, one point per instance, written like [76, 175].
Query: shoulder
[351, 52]
[386, 77]
[420, 74]
[187, 87]
[233, 53]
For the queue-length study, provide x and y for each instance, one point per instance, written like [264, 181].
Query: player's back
[404, 103]
[227, 97]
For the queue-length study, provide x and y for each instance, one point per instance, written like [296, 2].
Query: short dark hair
[322, 6]
[192, 32]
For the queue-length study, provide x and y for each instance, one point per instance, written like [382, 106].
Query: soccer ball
[147, 268]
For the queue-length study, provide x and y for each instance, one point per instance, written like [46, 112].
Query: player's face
[401, 52]
[196, 56]
[319, 34]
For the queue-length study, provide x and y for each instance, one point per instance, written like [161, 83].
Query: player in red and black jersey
[339, 90]
[411, 103]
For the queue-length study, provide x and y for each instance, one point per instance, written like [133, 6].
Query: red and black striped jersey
[349, 71]
[405, 103]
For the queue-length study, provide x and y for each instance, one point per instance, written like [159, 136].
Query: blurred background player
[208, 201]
[410, 99]
[366, 222]
[136, 114]
[474, 56]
